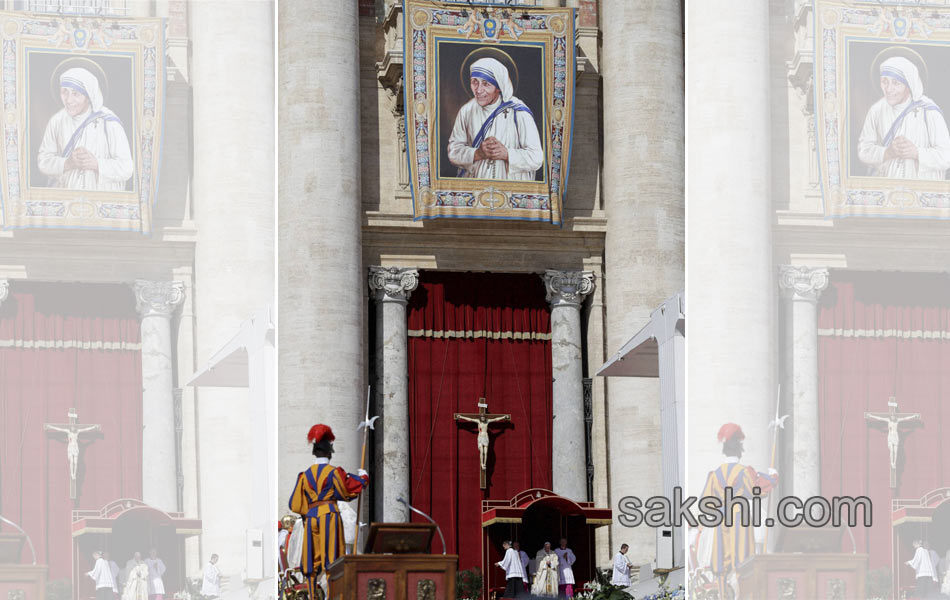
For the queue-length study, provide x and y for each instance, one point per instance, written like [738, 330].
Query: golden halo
[85, 63]
[892, 51]
[488, 52]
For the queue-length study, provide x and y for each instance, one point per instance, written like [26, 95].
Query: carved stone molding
[567, 288]
[158, 298]
[803, 283]
[392, 284]
[4, 290]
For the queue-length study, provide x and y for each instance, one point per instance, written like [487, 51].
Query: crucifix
[72, 431]
[893, 420]
[482, 419]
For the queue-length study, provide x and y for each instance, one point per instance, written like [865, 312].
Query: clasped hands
[491, 149]
[901, 147]
[81, 159]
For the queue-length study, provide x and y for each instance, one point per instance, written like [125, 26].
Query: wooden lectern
[397, 566]
[811, 565]
[19, 581]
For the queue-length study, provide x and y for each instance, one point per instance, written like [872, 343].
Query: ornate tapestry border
[839, 23]
[435, 197]
[140, 40]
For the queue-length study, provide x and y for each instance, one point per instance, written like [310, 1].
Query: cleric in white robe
[905, 134]
[621, 571]
[495, 136]
[211, 579]
[84, 146]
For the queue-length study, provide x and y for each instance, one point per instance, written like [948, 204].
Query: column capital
[157, 298]
[803, 283]
[4, 290]
[567, 288]
[393, 284]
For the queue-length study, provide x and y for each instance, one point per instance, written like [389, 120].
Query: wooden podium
[801, 576]
[18, 581]
[397, 566]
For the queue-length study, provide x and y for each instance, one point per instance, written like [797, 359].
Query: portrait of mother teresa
[495, 136]
[905, 134]
[84, 145]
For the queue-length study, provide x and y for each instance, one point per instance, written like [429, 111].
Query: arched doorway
[123, 528]
[536, 516]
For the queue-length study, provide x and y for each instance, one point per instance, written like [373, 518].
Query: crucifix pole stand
[893, 420]
[72, 431]
[482, 420]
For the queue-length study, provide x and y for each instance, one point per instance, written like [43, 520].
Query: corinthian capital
[803, 283]
[567, 288]
[392, 284]
[157, 298]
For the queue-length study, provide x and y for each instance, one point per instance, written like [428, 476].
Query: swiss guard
[315, 499]
[722, 549]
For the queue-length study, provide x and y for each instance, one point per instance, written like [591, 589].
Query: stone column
[155, 302]
[731, 350]
[390, 288]
[566, 291]
[803, 287]
[642, 73]
[321, 278]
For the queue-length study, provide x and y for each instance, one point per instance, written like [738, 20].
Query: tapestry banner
[83, 102]
[880, 99]
[489, 99]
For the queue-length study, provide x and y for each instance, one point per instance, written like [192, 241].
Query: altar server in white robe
[622, 566]
[114, 569]
[514, 572]
[525, 562]
[495, 136]
[565, 559]
[210, 583]
[156, 568]
[84, 146]
[102, 575]
[905, 134]
[923, 569]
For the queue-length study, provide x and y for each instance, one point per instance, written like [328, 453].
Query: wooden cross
[482, 419]
[72, 431]
[893, 420]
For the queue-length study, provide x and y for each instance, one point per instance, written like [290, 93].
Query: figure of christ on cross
[893, 420]
[482, 420]
[72, 431]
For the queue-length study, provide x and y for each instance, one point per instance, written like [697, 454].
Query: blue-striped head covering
[83, 81]
[901, 69]
[495, 73]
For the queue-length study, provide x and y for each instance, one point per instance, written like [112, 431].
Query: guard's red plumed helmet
[729, 431]
[319, 433]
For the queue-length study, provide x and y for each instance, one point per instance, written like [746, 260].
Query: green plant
[59, 589]
[601, 589]
[878, 584]
[468, 584]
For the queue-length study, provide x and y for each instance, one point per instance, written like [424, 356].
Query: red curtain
[476, 335]
[883, 335]
[67, 346]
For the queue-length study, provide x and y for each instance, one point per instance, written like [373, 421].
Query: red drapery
[477, 335]
[883, 335]
[67, 346]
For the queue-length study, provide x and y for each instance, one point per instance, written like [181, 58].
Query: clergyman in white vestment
[905, 134]
[566, 559]
[84, 146]
[545, 578]
[210, 583]
[102, 575]
[495, 136]
[156, 568]
[621, 572]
